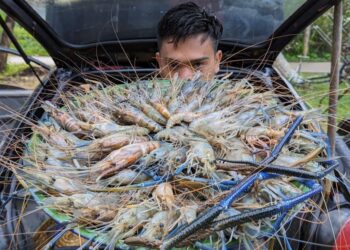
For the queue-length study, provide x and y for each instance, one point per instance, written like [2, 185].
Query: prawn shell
[126, 156]
[151, 112]
[159, 225]
[164, 194]
[50, 136]
[178, 118]
[89, 117]
[95, 215]
[99, 148]
[127, 176]
[129, 114]
[67, 186]
[202, 151]
[66, 121]
[189, 107]
[162, 109]
[117, 141]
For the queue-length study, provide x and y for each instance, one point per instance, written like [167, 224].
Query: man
[188, 39]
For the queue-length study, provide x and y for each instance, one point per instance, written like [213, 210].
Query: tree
[5, 42]
[319, 48]
[306, 46]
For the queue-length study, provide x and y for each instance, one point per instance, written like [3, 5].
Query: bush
[320, 49]
[29, 44]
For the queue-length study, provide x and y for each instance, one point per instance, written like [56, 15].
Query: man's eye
[173, 65]
[197, 65]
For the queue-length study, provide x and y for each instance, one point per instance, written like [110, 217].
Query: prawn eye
[161, 225]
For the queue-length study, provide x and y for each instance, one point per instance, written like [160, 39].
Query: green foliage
[13, 70]
[29, 44]
[291, 6]
[316, 96]
[320, 49]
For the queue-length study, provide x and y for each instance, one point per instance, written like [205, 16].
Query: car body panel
[249, 50]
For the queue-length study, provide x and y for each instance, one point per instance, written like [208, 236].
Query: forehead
[189, 49]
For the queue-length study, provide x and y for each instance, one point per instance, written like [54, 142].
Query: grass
[19, 75]
[313, 57]
[316, 96]
[13, 70]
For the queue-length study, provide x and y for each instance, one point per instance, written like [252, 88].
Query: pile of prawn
[135, 162]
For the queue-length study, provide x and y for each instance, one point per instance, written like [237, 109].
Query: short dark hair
[186, 20]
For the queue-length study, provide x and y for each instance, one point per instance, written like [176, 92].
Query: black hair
[186, 20]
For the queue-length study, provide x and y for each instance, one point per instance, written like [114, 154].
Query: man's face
[189, 56]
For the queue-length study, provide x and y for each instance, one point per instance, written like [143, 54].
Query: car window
[92, 21]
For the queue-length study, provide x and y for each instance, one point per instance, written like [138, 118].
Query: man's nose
[186, 72]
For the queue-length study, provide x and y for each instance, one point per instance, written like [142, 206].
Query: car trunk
[127, 57]
[114, 42]
[255, 31]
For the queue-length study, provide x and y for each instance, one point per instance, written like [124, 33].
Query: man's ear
[158, 59]
[218, 57]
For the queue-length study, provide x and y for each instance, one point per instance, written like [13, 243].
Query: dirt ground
[24, 79]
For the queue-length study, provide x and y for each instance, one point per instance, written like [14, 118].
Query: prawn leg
[282, 207]
[209, 215]
[275, 169]
[285, 139]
